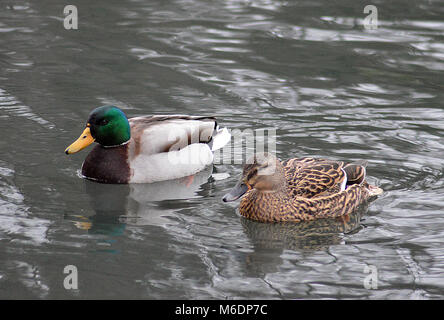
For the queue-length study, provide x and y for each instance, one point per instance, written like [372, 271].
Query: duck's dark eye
[104, 122]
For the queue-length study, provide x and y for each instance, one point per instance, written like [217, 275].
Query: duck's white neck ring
[117, 145]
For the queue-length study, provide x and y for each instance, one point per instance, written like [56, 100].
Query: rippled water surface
[310, 69]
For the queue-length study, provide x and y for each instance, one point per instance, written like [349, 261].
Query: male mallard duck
[300, 189]
[147, 149]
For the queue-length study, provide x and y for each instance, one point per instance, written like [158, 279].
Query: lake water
[309, 69]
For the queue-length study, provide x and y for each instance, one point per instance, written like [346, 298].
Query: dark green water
[309, 69]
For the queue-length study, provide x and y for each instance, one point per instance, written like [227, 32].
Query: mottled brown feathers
[308, 189]
[355, 172]
[279, 206]
[309, 177]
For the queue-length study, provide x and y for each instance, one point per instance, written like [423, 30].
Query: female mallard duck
[147, 149]
[300, 189]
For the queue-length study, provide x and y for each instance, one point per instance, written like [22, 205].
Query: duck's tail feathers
[374, 190]
[356, 173]
[220, 138]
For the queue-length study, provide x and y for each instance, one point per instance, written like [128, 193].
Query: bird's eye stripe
[251, 174]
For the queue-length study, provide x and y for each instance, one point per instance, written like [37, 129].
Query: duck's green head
[106, 125]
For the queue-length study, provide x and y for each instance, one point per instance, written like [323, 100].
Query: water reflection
[115, 206]
[309, 68]
[306, 235]
[270, 240]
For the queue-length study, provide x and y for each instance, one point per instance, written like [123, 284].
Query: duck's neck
[116, 145]
[277, 180]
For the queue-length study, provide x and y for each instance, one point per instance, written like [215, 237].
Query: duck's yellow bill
[82, 142]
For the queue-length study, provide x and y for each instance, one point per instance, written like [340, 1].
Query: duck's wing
[164, 133]
[356, 172]
[310, 177]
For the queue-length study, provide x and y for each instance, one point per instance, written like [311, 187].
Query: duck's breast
[107, 165]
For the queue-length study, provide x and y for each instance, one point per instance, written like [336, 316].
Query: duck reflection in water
[269, 240]
[116, 205]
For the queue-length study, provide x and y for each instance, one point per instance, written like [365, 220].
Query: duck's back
[158, 133]
[310, 177]
[170, 147]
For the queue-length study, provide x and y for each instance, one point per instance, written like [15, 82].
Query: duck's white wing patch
[344, 181]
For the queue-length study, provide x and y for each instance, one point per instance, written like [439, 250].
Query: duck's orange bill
[82, 142]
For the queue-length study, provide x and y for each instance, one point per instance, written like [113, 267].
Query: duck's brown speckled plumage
[303, 189]
[280, 206]
[309, 177]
